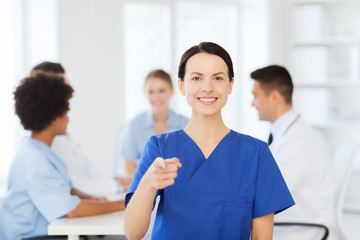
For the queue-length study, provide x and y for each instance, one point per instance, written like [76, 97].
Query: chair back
[342, 163]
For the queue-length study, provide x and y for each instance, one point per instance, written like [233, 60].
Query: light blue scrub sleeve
[271, 194]
[151, 152]
[127, 148]
[49, 190]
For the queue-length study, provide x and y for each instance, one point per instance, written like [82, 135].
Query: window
[198, 22]
[136, 37]
[8, 120]
[157, 34]
[29, 36]
[147, 46]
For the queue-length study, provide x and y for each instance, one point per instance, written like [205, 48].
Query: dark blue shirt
[217, 197]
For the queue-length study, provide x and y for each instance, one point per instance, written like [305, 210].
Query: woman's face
[61, 124]
[158, 92]
[206, 83]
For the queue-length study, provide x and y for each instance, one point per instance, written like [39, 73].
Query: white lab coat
[84, 174]
[306, 166]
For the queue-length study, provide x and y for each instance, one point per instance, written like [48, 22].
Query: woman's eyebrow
[197, 73]
[218, 73]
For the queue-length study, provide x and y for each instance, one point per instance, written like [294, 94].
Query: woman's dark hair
[47, 67]
[159, 73]
[275, 77]
[39, 100]
[205, 47]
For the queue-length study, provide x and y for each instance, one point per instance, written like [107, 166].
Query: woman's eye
[218, 78]
[196, 78]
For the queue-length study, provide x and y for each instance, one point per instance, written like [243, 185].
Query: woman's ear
[231, 86]
[181, 87]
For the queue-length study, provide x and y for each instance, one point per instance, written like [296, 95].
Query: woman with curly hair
[39, 189]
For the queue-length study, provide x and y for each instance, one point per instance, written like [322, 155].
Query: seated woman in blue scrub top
[213, 183]
[160, 119]
[39, 189]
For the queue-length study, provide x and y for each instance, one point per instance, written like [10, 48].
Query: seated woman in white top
[160, 119]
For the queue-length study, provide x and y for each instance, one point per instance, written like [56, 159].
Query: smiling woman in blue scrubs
[213, 183]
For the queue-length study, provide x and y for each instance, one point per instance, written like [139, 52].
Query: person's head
[49, 68]
[158, 90]
[42, 101]
[272, 92]
[206, 77]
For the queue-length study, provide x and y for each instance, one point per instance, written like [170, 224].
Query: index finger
[159, 162]
[175, 161]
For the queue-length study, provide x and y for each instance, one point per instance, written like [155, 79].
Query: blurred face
[262, 102]
[63, 120]
[158, 92]
[61, 124]
[65, 78]
[206, 83]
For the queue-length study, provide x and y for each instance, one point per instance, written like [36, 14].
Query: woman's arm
[161, 173]
[130, 167]
[262, 227]
[93, 207]
[85, 196]
[123, 181]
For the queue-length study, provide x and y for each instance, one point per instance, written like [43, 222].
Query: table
[104, 224]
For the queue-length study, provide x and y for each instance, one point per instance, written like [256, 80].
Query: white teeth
[207, 99]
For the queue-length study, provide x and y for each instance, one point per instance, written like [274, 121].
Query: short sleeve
[151, 152]
[49, 190]
[272, 194]
[127, 143]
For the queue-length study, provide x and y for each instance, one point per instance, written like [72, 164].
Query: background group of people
[203, 170]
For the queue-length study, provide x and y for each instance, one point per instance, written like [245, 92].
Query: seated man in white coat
[300, 153]
[84, 174]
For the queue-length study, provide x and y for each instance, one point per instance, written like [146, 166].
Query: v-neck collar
[190, 140]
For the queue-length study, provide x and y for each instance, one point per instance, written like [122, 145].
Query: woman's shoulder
[30, 152]
[164, 138]
[138, 120]
[176, 118]
[140, 116]
[169, 135]
[248, 140]
[178, 115]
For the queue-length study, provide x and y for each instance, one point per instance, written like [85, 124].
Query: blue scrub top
[38, 192]
[217, 197]
[138, 131]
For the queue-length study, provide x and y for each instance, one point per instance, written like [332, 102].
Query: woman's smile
[207, 100]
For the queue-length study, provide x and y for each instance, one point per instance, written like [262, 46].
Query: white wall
[7, 119]
[91, 51]
[254, 53]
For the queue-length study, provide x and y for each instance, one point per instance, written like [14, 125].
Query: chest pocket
[236, 222]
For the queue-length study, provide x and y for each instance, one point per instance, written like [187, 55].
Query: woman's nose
[207, 86]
